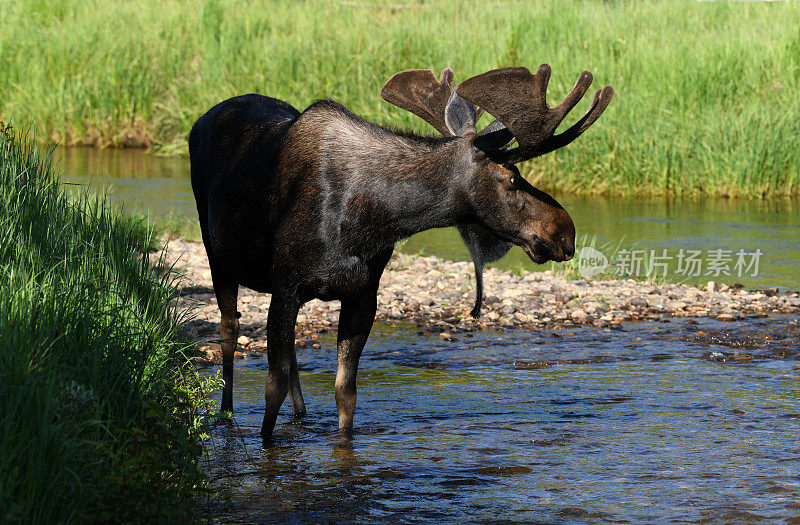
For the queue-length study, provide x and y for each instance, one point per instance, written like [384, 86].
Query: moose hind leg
[227, 291]
[280, 353]
[355, 322]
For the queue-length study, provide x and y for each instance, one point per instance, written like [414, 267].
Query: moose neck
[420, 188]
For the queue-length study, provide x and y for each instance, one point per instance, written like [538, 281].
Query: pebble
[579, 315]
[437, 296]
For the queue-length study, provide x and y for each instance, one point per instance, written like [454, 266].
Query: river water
[684, 421]
[161, 186]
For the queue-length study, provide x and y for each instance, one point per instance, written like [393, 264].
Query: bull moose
[310, 205]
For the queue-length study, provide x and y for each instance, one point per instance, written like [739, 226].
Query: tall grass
[706, 92]
[98, 403]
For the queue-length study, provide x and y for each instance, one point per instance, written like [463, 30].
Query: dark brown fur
[310, 205]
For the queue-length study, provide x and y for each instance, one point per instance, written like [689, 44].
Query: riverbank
[437, 295]
[101, 410]
[710, 113]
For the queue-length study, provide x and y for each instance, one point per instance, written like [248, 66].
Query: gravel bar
[437, 295]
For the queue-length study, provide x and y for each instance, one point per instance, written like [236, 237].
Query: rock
[638, 302]
[564, 298]
[243, 340]
[580, 316]
[192, 331]
[726, 317]
[711, 286]
[520, 317]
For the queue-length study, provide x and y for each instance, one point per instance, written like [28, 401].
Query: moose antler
[418, 91]
[518, 100]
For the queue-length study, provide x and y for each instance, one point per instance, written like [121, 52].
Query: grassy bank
[98, 403]
[706, 92]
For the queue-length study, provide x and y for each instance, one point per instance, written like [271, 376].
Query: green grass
[706, 92]
[613, 252]
[98, 403]
[175, 227]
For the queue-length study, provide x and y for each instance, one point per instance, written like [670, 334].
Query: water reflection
[636, 425]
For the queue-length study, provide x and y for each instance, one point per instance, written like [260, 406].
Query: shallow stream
[680, 421]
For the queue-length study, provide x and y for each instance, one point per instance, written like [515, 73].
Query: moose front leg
[282, 360]
[295, 392]
[355, 322]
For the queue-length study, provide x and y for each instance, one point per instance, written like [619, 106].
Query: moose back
[309, 205]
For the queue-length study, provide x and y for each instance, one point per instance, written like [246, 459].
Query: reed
[706, 92]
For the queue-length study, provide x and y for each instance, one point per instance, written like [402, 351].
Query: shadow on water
[161, 185]
[692, 420]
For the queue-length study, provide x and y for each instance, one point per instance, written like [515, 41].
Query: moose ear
[460, 115]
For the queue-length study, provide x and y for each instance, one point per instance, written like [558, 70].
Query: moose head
[511, 211]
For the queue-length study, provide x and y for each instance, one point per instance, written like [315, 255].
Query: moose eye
[513, 182]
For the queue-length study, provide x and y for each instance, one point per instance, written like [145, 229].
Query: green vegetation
[99, 406]
[706, 92]
[571, 269]
[175, 227]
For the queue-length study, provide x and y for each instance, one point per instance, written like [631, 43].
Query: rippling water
[688, 420]
[681, 421]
